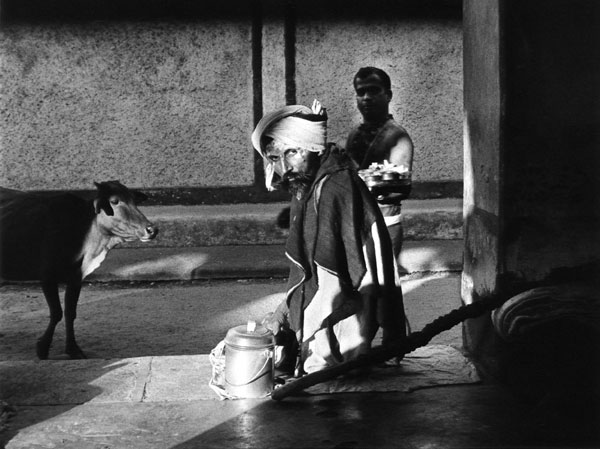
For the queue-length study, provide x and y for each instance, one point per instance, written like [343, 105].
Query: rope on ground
[380, 354]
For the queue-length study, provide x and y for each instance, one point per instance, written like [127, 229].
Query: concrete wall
[153, 104]
[422, 53]
[422, 56]
[164, 102]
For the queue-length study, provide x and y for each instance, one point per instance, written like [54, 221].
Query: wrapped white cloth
[297, 132]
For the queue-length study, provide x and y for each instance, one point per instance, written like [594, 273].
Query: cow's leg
[50, 290]
[71, 297]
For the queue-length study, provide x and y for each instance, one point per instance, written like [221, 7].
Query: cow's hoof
[42, 350]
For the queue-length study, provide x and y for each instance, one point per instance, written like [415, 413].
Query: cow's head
[118, 215]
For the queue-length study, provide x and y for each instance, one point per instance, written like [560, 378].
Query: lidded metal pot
[249, 361]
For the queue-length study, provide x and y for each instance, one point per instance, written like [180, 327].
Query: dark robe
[338, 234]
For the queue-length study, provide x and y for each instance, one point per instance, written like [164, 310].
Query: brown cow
[63, 238]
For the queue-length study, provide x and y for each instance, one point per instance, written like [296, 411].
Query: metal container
[249, 361]
[389, 176]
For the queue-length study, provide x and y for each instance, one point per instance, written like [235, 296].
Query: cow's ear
[139, 197]
[102, 204]
[101, 186]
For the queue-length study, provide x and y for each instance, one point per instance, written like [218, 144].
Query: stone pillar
[482, 160]
[531, 140]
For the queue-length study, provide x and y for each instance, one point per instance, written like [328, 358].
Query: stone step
[248, 261]
[255, 224]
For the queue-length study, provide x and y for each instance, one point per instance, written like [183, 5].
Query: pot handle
[268, 358]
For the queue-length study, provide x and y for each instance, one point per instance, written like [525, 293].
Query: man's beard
[298, 184]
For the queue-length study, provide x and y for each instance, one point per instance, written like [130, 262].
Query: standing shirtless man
[380, 138]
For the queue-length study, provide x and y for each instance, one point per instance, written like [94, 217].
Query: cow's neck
[96, 245]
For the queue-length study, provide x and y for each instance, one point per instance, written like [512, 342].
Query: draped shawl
[333, 227]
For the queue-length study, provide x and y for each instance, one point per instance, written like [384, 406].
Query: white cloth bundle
[576, 302]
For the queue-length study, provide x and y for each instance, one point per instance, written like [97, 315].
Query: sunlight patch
[178, 263]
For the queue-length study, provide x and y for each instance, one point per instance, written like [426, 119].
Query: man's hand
[272, 323]
[275, 321]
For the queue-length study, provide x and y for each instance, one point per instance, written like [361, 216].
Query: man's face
[287, 159]
[296, 167]
[372, 99]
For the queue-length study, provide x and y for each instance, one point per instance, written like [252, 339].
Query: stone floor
[115, 403]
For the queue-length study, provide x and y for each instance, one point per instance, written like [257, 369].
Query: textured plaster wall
[153, 104]
[169, 103]
[273, 59]
[424, 59]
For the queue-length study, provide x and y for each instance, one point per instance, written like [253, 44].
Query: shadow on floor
[473, 416]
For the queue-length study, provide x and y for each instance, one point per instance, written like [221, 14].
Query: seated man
[343, 282]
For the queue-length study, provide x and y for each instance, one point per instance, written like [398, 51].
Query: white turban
[296, 126]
